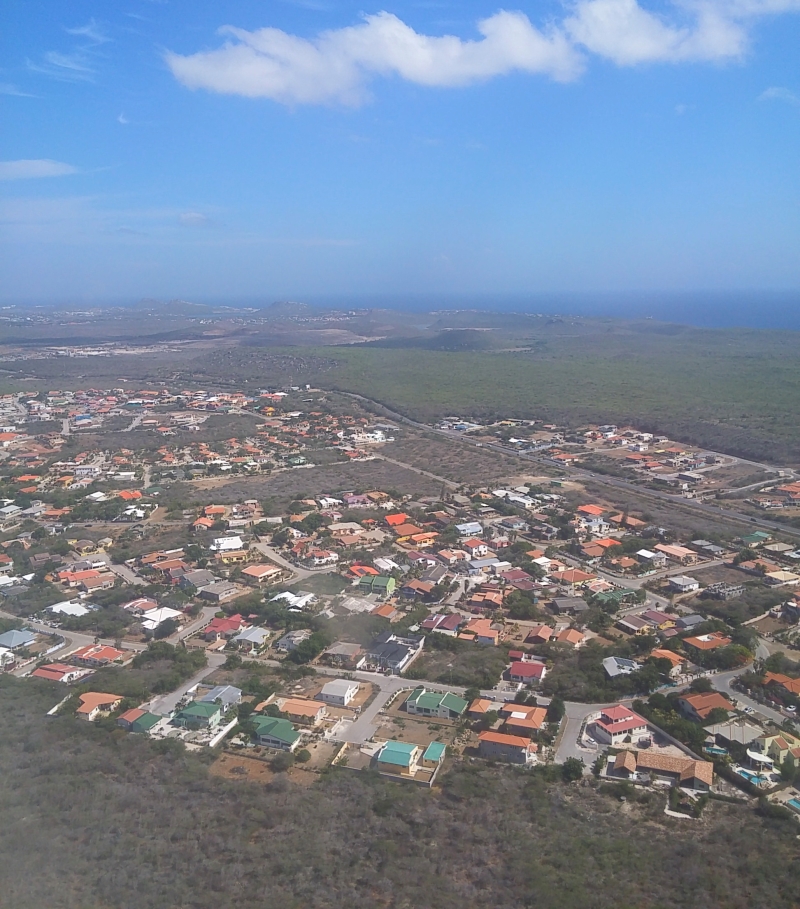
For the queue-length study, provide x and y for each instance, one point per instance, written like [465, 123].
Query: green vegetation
[453, 662]
[95, 818]
[158, 670]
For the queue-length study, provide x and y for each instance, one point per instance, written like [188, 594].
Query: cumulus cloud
[27, 169]
[336, 66]
[625, 33]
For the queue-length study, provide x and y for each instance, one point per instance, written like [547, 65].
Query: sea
[778, 310]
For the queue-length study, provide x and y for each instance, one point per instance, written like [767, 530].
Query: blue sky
[278, 149]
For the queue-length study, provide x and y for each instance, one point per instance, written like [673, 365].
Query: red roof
[527, 670]
[394, 520]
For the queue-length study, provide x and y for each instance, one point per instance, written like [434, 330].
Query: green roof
[757, 537]
[397, 753]
[432, 700]
[276, 728]
[434, 751]
[197, 710]
[145, 722]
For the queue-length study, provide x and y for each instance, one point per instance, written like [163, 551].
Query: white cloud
[27, 169]
[780, 94]
[335, 66]
[72, 67]
[193, 219]
[123, 120]
[90, 31]
[625, 33]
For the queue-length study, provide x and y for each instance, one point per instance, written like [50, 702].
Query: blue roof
[15, 638]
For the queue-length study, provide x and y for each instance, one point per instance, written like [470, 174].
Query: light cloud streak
[32, 168]
[337, 65]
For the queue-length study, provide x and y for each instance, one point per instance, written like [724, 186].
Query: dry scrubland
[92, 821]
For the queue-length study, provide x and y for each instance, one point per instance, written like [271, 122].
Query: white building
[339, 692]
[683, 584]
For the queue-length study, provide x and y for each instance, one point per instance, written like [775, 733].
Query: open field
[287, 485]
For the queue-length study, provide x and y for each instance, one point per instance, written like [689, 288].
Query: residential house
[398, 758]
[570, 636]
[433, 755]
[59, 672]
[698, 706]
[344, 655]
[193, 581]
[275, 732]
[199, 716]
[615, 666]
[339, 692]
[219, 592]
[97, 655]
[382, 585]
[706, 642]
[523, 720]
[616, 725]
[138, 720]
[633, 624]
[516, 749]
[481, 631]
[786, 684]
[480, 707]
[225, 627]
[226, 696]
[444, 623]
[526, 672]
[569, 605]
[17, 639]
[96, 703]
[443, 705]
[677, 662]
[251, 639]
[683, 584]
[292, 640]
[654, 766]
[302, 710]
[415, 589]
[393, 653]
[539, 634]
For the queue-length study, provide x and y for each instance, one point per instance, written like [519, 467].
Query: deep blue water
[766, 309]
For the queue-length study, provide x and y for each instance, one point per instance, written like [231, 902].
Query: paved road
[207, 613]
[127, 575]
[300, 574]
[723, 682]
[165, 704]
[134, 423]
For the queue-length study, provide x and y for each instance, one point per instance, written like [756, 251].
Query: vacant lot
[288, 485]
[460, 462]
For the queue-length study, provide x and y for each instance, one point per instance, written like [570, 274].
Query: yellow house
[780, 746]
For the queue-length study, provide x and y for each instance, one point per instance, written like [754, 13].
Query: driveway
[163, 705]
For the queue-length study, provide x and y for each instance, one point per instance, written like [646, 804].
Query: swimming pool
[795, 804]
[714, 749]
[753, 778]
